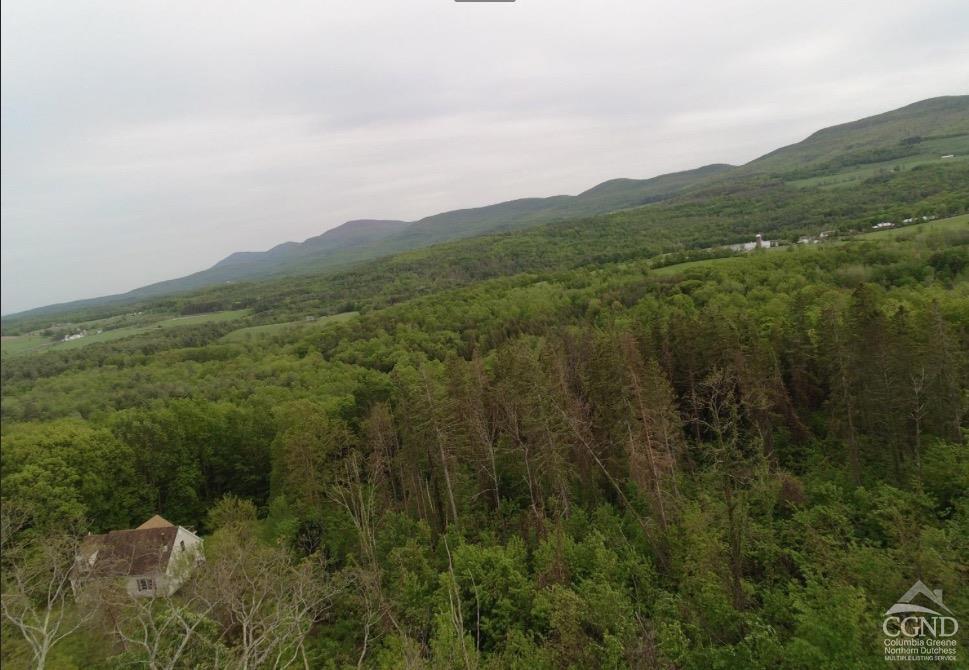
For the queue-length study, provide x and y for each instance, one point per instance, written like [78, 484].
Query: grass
[680, 267]
[243, 334]
[930, 152]
[19, 345]
[915, 229]
[859, 173]
[13, 345]
[195, 319]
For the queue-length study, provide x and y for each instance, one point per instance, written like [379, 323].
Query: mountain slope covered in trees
[927, 128]
[599, 442]
[676, 467]
[722, 213]
[357, 241]
[913, 135]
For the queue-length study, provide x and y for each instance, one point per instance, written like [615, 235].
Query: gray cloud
[145, 141]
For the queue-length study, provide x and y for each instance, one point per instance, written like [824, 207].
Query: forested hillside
[719, 214]
[597, 443]
[926, 128]
[601, 439]
[932, 132]
[357, 241]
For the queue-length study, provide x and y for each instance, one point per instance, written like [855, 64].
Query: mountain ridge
[902, 132]
[467, 221]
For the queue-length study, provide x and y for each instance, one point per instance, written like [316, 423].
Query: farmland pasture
[938, 226]
[36, 342]
[250, 332]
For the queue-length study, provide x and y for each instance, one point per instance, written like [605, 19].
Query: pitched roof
[130, 552]
[155, 522]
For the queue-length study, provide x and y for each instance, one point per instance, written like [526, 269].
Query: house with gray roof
[154, 559]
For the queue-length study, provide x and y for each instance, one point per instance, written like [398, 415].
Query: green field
[856, 174]
[918, 229]
[910, 232]
[931, 153]
[22, 344]
[35, 342]
[251, 332]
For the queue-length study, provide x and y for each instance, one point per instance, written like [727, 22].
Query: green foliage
[552, 448]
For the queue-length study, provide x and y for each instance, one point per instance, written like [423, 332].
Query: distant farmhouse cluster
[812, 239]
[891, 224]
[758, 243]
[82, 333]
[154, 559]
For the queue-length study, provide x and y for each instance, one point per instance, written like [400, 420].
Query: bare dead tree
[918, 411]
[441, 439]
[37, 595]
[356, 496]
[264, 599]
[575, 417]
[382, 439]
[652, 447]
[355, 493]
[719, 391]
[471, 404]
[158, 633]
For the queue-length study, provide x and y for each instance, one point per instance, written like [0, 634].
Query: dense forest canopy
[604, 442]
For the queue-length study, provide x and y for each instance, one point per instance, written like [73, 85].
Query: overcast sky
[147, 140]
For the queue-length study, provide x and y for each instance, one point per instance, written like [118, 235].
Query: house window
[146, 584]
[182, 543]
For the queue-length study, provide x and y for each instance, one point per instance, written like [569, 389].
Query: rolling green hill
[921, 134]
[363, 240]
[563, 352]
[928, 129]
[599, 440]
[357, 241]
[686, 228]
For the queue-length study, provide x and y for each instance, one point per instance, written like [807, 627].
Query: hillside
[846, 154]
[734, 463]
[720, 213]
[597, 441]
[346, 236]
[340, 247]
[336, 247]
[929, 128]
[606, 197]
[362, 240]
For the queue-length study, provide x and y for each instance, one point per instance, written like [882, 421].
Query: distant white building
[883, 224]
[949, 156]
[758, 243]
[154, 559]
